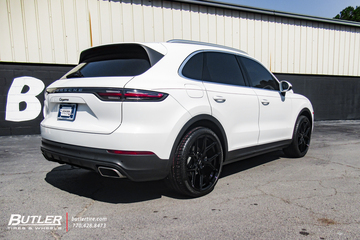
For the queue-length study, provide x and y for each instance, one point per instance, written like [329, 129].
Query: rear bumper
[136, 168]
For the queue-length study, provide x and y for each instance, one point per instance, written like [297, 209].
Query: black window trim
[120, 51]
[246, 80]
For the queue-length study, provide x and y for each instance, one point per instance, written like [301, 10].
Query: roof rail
[205, 44]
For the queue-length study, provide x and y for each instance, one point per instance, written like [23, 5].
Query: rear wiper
[76, 74]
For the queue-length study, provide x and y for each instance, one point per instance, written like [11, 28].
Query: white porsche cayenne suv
[177, 110]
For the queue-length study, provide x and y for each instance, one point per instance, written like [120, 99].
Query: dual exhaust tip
[110, 172]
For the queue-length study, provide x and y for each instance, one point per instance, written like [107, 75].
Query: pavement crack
[335, 191]
[82, 212]
[346, 165]
[79, 214]
[292, 201]
[55, 234]
[272, 195]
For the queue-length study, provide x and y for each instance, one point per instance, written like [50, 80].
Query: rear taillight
[135, 94]
[115, 94]
[130, 95]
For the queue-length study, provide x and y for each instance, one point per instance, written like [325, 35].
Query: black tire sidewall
[293, 150]
[180, 161]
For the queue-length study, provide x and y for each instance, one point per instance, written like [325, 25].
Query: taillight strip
[115, 94]
[142, 94]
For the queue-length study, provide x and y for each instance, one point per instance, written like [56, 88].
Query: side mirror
[285, 86]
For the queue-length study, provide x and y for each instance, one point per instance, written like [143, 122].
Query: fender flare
[203, 120]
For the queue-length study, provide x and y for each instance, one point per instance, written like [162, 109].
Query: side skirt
[244, 153]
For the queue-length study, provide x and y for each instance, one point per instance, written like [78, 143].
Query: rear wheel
[197, 163]
[301, 138]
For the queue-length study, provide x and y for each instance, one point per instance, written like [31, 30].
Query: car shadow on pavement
[92, 185]
[89, 184]
[239, 166]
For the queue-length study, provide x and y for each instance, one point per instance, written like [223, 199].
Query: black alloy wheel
[301, 138]
[197, 163]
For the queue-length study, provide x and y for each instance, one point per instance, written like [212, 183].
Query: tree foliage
[350, 13]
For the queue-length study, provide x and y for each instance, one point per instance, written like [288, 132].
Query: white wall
[56, 31]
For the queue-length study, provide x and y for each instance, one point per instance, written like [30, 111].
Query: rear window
[113, 67]
[115, 60]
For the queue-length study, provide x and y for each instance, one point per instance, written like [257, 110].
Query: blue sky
[319, 8]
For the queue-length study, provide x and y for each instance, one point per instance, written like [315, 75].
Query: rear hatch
[89, 97]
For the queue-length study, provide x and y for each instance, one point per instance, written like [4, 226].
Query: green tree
[350, 13]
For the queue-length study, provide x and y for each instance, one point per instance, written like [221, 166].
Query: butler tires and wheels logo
[54, 222]
[35, 222]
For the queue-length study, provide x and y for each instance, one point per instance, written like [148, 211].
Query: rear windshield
[113, 67]
[115, 60]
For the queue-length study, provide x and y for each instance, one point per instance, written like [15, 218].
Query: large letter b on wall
[23, 92]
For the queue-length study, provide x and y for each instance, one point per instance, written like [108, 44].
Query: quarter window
[193, 68]
[260, 77]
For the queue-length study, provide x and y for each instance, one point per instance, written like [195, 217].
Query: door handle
[265, 102]
[219, 99]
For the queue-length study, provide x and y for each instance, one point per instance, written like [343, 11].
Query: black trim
[136, 168]
[120, 51]
[244, 153]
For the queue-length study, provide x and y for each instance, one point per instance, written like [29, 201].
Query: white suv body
[142, 110]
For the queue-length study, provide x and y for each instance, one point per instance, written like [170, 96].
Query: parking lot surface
[266, 197]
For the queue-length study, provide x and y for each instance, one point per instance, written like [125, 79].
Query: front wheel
[197, 163]
[301, 138]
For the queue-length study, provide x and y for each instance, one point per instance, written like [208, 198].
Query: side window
[259, 76]
[194, 67]
[222, 68]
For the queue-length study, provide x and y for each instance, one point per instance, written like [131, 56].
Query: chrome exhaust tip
[110, 172]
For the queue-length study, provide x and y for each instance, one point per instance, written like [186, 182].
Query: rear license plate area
[67, 112]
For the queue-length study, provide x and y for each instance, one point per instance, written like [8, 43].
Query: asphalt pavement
[266, 197]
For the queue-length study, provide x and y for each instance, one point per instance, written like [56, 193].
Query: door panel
[275, 122]
[237, 108]
[275, 110]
